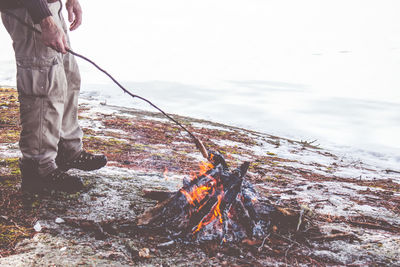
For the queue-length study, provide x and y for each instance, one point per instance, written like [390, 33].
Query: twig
[166, 244]
[391, 171]
[310, 144]
[262, 244]
[292, 241]
[320, 200]
[300, 217]
[290, 246]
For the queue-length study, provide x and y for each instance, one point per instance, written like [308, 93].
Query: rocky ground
[352, 209]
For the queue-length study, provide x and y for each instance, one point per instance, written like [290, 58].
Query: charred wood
[217, 205]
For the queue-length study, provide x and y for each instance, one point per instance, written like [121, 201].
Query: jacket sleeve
[38, 9]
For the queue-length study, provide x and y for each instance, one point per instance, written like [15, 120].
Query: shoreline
[383, 156]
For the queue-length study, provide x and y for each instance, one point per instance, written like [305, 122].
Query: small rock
[133, 250]
[59, 220]
[37, 227]
[144, 253]
[63, 249]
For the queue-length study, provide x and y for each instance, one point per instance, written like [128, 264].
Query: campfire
[215, 204]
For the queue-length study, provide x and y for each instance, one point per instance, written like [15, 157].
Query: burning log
[216, 204]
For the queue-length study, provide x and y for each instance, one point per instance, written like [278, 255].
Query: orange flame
[214, 214]
[204, 168]
[200, 192]
[197, 194]
[217, 210]
[188, 197]
[193, 175]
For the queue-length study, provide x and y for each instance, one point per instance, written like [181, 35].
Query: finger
[62, 44]
[73, 26]
[65, 43]
[62, 49]
[56, 47]
[78, 19]
[53, 44]
[70, 14]
[59, 46]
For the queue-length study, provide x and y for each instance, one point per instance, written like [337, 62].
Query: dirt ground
[351, 208]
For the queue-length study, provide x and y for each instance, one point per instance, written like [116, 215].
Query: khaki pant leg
[71, 133]
[43, 92]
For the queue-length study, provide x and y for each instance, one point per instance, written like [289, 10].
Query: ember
[216, 204]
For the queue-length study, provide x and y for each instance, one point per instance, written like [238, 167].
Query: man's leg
[70, 153]
[70, 144]
[42, 87]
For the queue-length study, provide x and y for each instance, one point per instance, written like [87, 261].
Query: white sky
[347, 48]
[341, 47]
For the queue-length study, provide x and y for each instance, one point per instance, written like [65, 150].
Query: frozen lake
[302, 69]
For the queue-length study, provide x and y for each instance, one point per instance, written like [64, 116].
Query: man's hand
[74, 13]
[53, 36]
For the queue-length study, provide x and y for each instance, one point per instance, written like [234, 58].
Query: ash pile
[217, 205]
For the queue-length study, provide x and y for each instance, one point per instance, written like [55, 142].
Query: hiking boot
[30, 181]
[57, 180]
[85, 161]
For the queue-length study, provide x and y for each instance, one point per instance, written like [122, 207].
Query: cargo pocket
[35, 77]
[31, 113]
